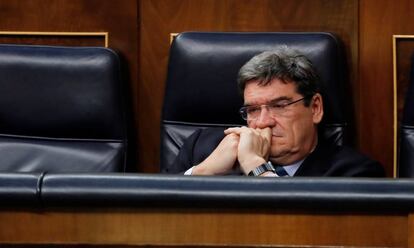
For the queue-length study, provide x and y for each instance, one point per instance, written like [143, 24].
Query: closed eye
[253, 109]
[278, 105]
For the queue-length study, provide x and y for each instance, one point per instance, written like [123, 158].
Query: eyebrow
[281, 98]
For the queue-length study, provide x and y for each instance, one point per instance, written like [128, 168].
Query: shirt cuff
[269, 174]
[189, 172]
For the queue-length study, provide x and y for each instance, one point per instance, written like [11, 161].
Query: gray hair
[285, 64]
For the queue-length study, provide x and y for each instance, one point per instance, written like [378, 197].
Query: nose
[265, 119]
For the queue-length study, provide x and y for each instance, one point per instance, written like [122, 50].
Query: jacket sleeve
[197, 148]
[184, 159]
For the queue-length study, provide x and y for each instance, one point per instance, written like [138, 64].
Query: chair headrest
[60, 92]
[202, 73]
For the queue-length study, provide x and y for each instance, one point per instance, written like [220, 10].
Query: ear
[317, 108]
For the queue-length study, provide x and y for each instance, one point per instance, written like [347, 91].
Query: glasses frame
[243, 110]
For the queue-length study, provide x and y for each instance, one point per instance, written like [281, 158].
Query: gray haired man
[282, 107]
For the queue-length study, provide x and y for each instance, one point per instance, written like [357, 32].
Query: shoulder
[348, 162]
[332, 160]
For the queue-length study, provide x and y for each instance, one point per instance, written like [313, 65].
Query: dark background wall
[140, 32]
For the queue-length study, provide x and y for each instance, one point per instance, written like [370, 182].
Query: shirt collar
[292, 168]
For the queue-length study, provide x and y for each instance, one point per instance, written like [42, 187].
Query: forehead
[258, 94]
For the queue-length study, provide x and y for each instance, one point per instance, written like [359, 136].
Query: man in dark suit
[282, 107]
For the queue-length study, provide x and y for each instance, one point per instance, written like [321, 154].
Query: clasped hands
[242, 146]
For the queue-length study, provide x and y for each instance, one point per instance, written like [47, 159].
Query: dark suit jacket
[326, 160]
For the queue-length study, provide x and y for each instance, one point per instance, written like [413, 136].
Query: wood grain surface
[208, 227]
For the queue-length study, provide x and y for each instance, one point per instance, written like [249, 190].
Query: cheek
[284, 133]
[295, 129]
[301, 129]
[251, 124]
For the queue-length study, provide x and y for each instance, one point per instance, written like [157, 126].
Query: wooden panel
[118, 18]
[55, 38]
[159, 18]
[379, 20]
[410, 230]
[223, 228]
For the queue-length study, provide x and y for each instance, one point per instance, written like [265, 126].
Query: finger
[236, 130]
[267, 132]
[234, 137]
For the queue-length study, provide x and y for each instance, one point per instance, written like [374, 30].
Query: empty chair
[61, 110]
[201, 88]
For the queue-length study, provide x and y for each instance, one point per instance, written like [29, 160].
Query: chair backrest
[61, 109]
[201, 89]
[406, 148]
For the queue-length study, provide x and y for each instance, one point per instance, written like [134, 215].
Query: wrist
[264, 169]
[207, 168]
[200, 170]
[251, 164]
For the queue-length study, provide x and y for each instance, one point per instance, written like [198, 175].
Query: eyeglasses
[275, 108]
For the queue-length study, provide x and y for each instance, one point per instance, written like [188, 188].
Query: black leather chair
[201, 89]
[406, 152]
[61, 110]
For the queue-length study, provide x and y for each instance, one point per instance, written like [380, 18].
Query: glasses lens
[250, 112]
[275, 109]
[243, 113]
